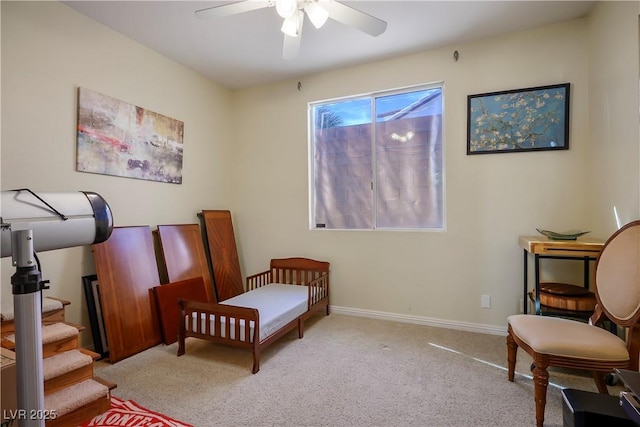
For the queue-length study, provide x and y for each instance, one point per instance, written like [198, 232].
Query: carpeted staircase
[72, 392]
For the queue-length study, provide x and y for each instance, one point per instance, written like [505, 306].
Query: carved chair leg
[599, 377]
[540, 383]
[512, 349]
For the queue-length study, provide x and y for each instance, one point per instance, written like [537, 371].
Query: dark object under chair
[587, 409]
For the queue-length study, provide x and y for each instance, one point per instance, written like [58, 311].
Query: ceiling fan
[293, 12]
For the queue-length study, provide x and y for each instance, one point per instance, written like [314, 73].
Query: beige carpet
[346, 371]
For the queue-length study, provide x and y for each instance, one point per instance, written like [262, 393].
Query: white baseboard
[419, 320]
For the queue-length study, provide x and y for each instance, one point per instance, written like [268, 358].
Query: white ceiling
[245, 50]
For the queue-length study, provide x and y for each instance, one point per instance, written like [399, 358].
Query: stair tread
[80, 328]
[63, 363]
[52, 333]
[64, 302]
[73, 397]
[93, 354]
[106, 383]
[81, 415]
[49, 304]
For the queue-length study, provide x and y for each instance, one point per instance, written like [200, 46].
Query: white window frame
[373, 96]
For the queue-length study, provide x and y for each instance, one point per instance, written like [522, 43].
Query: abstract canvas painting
[121, 139]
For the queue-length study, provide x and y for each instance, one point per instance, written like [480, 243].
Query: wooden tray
[565, 296]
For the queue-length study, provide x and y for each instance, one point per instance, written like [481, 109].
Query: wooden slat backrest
[223, 253]
[127, 270]
[184, 255]
[297, 271]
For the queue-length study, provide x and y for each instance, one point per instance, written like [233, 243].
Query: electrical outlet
[521, 305]
[485, 301]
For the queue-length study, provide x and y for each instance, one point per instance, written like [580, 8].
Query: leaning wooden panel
[127, 270]
[166, 298]
[223, 253]
[184, 255]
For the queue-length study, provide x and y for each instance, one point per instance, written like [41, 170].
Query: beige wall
[247, 151]
[430, 277]
[490, 199]
[48, 51]
[614, 116]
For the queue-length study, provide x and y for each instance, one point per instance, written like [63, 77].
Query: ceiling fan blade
[232, 8]
[355, 18]
[291, 46]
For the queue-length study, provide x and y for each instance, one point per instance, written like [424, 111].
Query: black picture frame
[94, 307]
[529, 119]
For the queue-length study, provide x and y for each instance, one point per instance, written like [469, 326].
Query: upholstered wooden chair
[554, 341]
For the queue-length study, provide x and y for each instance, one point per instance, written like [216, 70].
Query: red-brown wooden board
[184, 256]
[166, 297]
[223, 253]
[127, 270]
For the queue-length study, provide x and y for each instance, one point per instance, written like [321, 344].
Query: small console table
[583, 249]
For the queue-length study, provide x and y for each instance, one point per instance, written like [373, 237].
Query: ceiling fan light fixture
[293, 14]
[317, 14]
[286, 8]
[291, 25]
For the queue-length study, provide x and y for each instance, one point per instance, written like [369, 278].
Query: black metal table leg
[525, 302]
[537, 284]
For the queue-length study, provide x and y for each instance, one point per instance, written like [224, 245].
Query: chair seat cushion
[556, 336]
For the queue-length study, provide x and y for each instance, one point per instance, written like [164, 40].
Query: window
[376, 161]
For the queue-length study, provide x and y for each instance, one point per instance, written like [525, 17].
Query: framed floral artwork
[530, 119]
